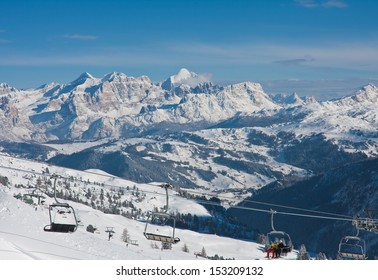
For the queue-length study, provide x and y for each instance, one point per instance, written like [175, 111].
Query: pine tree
[203, 252]
[4, 180]
[125, 236]
[321, 256]
[302, 254]
[261, 238]
[39, 182]
[88, 195]
[102, 197]
[185, 248]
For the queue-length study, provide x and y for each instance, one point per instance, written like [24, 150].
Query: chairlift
[62, 216]
[352, 248]
[156, 229]
[110, 232]
[278, 236]
[367, 223]
[38, 195]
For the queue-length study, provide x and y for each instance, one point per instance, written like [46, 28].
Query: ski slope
[22, 237]
[22, 240]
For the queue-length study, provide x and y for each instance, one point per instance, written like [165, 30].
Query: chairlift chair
[352, 247]
[62, 216]
[156, 230]
[157, 222]
[278, 236]
[367, 224]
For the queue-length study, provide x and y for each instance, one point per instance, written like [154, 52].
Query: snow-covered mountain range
[121, 106]
[234, 141]
[116, 105]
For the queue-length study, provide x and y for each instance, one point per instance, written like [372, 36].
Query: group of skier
[276, 249]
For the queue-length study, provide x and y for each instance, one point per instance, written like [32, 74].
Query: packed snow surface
[22, 237]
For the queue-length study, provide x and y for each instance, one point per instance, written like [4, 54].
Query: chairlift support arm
[166, 187]
[272, 212]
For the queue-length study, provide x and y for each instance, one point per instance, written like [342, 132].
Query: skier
[272, 249]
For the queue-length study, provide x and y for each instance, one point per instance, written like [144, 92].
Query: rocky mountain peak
[368, 93]
[82, 79]
[5, 88]
[184, 77]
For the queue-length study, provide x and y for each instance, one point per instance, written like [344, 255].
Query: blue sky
[46, 41]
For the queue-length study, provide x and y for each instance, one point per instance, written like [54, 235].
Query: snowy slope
[28, 173]
[22, 237]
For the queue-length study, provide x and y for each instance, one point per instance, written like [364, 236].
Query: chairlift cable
[278, 212]
[272, 204]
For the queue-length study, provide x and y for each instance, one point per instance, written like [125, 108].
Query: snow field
[22, 237]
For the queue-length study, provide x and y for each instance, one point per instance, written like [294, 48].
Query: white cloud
[324, 4]
[291, 62]
[335, 4]
[80, 37]
[306, 3]
[359, 55]
[200, 78]
[4, 41]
